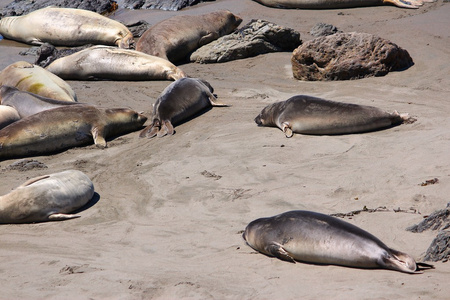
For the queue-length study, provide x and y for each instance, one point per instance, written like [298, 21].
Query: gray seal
[179, 101]
[311, 115]
[47, 198]
[317, 238]
[329, 4]
[27, 104]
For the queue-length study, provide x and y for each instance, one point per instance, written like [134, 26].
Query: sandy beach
[167, 218]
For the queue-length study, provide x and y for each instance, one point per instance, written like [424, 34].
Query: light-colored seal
[317, 238]
[311, 115]
[27, 104]
[65, 27]
[329, 4]
[65, 127]
[8, 115]
[105, 62]
[176, 37]
[34, 79]
[179, 101]
[47, 198]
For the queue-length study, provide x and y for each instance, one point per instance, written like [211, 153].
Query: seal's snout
[258, 120]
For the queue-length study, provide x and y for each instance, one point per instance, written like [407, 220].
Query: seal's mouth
[258, 120]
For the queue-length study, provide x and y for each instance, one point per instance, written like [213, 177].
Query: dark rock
[439, 219]
[257, 37]
[138, 28]
[322, 29]
[161, 4]
[47, 53]
[21, 7]
[344, 56]
[439, 249]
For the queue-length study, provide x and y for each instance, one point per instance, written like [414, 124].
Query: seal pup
[34, 79]
[8, 115]
[27, 104]
[47, 198]
[311, 115]
[105, 62]
[65, 127]
[176, 37]
[179, 101]
[317, 238]
[65, 27]
[330, 4]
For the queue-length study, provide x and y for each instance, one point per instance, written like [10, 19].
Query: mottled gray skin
[179, 101]
[65, 27]
[312, 237]
[311, 115]
[47, 198]
[34, 79]
[27, 104]
[65, 127]
[176, 37]
[105, 62]
[329, 4]
[8, 115]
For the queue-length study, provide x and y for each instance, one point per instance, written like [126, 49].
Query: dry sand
[170, 211]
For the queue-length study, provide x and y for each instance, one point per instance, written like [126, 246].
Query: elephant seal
[65, 27]
[65, 127]
[34, 79]
[330, 4]
[179, 101]
[8, 115]
[47, 198]
[105, 62]
[317, 238]
[176, 37]
[27, 104]
[311, 115]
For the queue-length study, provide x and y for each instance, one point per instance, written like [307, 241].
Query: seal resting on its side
[106, 62]
[34, 79]
[65, 127]
[311, 115]
[8, 115]
[176, 37]
[179, 101]
[47, 198]
[27, 104]
[66, 27]
[321, 239]
[329, 4]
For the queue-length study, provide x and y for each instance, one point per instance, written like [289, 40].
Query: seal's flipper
[99, 139]
[62, 217]
[405, 3]
[278, 251]
[166, 128]
[287, 129]
[33, 180]
[151, 130]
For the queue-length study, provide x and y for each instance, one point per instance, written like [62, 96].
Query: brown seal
[176, 37]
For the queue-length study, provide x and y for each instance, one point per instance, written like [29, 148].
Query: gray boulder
[344, 56]
[257, 37]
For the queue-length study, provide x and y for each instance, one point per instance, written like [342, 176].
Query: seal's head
[124, 120]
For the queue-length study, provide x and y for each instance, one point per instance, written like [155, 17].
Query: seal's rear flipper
[423, 266]
[62, 217]
[405, 4]
[278, 251]
[166, 128]
[399, 261]
[151, 130]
